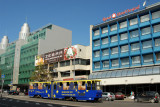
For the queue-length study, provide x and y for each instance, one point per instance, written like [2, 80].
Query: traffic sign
[2, 76]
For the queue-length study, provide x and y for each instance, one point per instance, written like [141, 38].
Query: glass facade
[129, 42]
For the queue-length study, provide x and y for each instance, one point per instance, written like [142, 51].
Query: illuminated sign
[114, 15]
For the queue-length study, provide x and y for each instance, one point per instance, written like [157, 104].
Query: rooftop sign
[114, 15]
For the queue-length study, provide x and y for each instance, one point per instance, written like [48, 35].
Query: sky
[75, 15]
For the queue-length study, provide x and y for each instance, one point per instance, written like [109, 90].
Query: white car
[109, 96]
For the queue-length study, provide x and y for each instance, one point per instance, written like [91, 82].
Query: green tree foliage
[40, 74]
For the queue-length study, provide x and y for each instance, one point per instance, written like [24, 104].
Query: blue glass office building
[127, 48]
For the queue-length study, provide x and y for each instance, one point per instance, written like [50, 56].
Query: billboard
[39, 60]
[54, 56]
[70, 52]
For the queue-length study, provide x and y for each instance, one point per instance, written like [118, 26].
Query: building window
[147, 44]
[96, 32]
[97, 65]
[65, 63]
[136, 60]
[124, 36]
[105, 52]
[96, 53]
[123, 24]
[114, 27]
[114, 50]
[105, 64]
[158, 56]
[156, 28]
[156, 15]
[157, 42]
[125, 61]
[96, 42]
[124, 48]
[114, 38]
[65, 74]
[146, 31]
[135, 46]
[115, 62]
[148, 58]
[134, 34]
[133, 21]
[105, 41]
[104, 30]
[144, 18]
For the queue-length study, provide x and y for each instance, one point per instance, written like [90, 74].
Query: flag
[144, 3]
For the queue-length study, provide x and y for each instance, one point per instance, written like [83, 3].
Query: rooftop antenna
[26, 19]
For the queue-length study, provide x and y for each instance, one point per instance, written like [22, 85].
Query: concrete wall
[19, 43]
[91, 26]
[56, 38]
[84, 52]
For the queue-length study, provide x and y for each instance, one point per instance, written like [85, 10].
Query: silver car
[109, 96]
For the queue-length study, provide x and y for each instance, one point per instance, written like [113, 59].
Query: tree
[40, 74]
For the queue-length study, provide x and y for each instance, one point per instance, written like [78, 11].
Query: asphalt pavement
[9, 102]
[26, 101]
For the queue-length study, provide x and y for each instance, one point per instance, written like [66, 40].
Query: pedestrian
[132, 95]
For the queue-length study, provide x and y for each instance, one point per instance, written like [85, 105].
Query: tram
[88, 90]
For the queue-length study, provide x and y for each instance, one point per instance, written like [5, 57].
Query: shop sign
[54, 56]
[114, 15]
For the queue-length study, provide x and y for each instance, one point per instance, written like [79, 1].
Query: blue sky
[75, 15]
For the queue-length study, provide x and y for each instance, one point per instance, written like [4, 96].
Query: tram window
[35, 85]
[61, 84]
[88, 85]
[83, 83]
[93, 86]
[98, 86]
[67, 83]
[47, 86]
[75, 83]
[54, 86]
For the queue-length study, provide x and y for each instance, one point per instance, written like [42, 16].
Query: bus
[88, 90]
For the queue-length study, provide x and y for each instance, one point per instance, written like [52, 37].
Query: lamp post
[74, 70]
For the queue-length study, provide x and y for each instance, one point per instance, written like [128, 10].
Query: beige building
[67, 64]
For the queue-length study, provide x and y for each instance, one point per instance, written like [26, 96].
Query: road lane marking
[3, 104]
[17, 100]
[50, 105]
[11, 100]
[37, 104]
[26, 102]
[3, 99]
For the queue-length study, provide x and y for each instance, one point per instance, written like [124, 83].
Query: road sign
[3, 76]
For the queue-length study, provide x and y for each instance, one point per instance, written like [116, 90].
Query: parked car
[13, 92]
[109, 96]
[151, 96]
[119, 96]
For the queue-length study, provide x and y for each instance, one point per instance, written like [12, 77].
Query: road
[25, 101]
